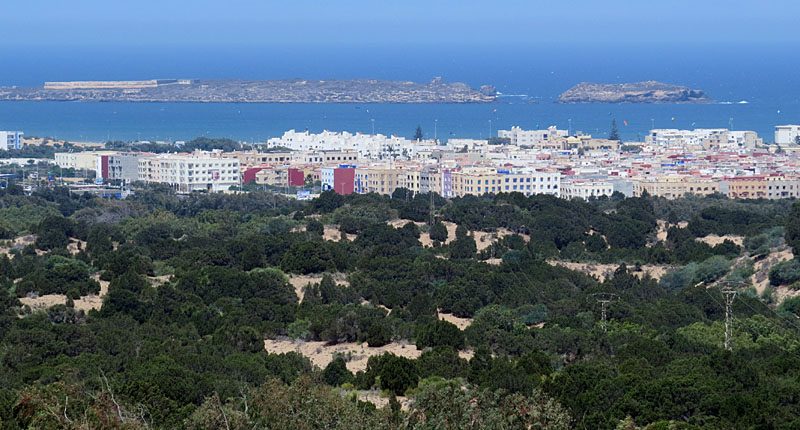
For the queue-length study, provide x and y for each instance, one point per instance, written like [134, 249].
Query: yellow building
[381, 179]
[477, 181]
[671, 187]
[762, 187]
[252, 158]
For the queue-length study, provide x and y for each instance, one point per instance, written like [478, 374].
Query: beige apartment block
[478, 181]
[382, 179]
[762, 187]
[252, 158]
[671, 187]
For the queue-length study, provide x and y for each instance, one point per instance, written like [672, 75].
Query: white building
[199, 171]
[786, 134]
[11, 140]
[367, 146]
[585, 189]
[83, 160]
[675, 137]
[326, 178]
[709, 138]
[123, 166]
[518, 136]
[325, 157]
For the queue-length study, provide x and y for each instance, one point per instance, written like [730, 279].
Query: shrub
[314, 226]
[440, 333]
[679, 278]
[784, 273]
[299, 329]
[379, 334]
[398, 374]
[712, 269]
[438, 232]
[336, 373]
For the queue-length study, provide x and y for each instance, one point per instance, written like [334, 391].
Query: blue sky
[318, 23]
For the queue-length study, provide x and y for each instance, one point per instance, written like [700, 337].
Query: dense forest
[192, 286]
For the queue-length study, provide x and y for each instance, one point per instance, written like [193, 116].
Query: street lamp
[435, 123]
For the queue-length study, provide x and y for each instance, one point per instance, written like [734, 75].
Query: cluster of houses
[669, 163]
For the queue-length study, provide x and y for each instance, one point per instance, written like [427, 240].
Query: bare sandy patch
[76, 245]
[783, 293]
[375, 397]
[461, 323]
[663, 227]
[661, 231]
[332, 233]
[482, 239]
[356, 355]
[158, 281]
[18, 243]
[760, 278]
[85, 303]
[299, 282]
[714, 240]
[605, 271]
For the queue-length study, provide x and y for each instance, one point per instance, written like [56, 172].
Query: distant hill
[635, 92]
[255, 91]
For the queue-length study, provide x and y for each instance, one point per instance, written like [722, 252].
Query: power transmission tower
[604, 299]
[729, 294]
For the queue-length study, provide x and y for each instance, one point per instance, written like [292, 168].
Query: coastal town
[669, 163]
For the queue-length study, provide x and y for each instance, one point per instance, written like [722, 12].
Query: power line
[783, 318]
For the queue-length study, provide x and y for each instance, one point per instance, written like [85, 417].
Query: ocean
[765, 78]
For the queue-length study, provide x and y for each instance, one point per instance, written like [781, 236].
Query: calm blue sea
[764, 77]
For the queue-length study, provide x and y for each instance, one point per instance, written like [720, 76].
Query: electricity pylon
[604, 299]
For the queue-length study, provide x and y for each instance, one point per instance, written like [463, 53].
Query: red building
[344, 180]
[102, 167]
[297, 177]
[249, 175]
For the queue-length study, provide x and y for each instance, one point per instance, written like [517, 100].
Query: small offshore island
[635, 92]
[254, 91]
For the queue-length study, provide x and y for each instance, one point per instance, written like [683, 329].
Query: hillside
[253, 311]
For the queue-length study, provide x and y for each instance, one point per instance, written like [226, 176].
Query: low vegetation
[189, 352]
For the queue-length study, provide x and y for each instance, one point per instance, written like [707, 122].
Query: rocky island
[254, 91]
[636, 92]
